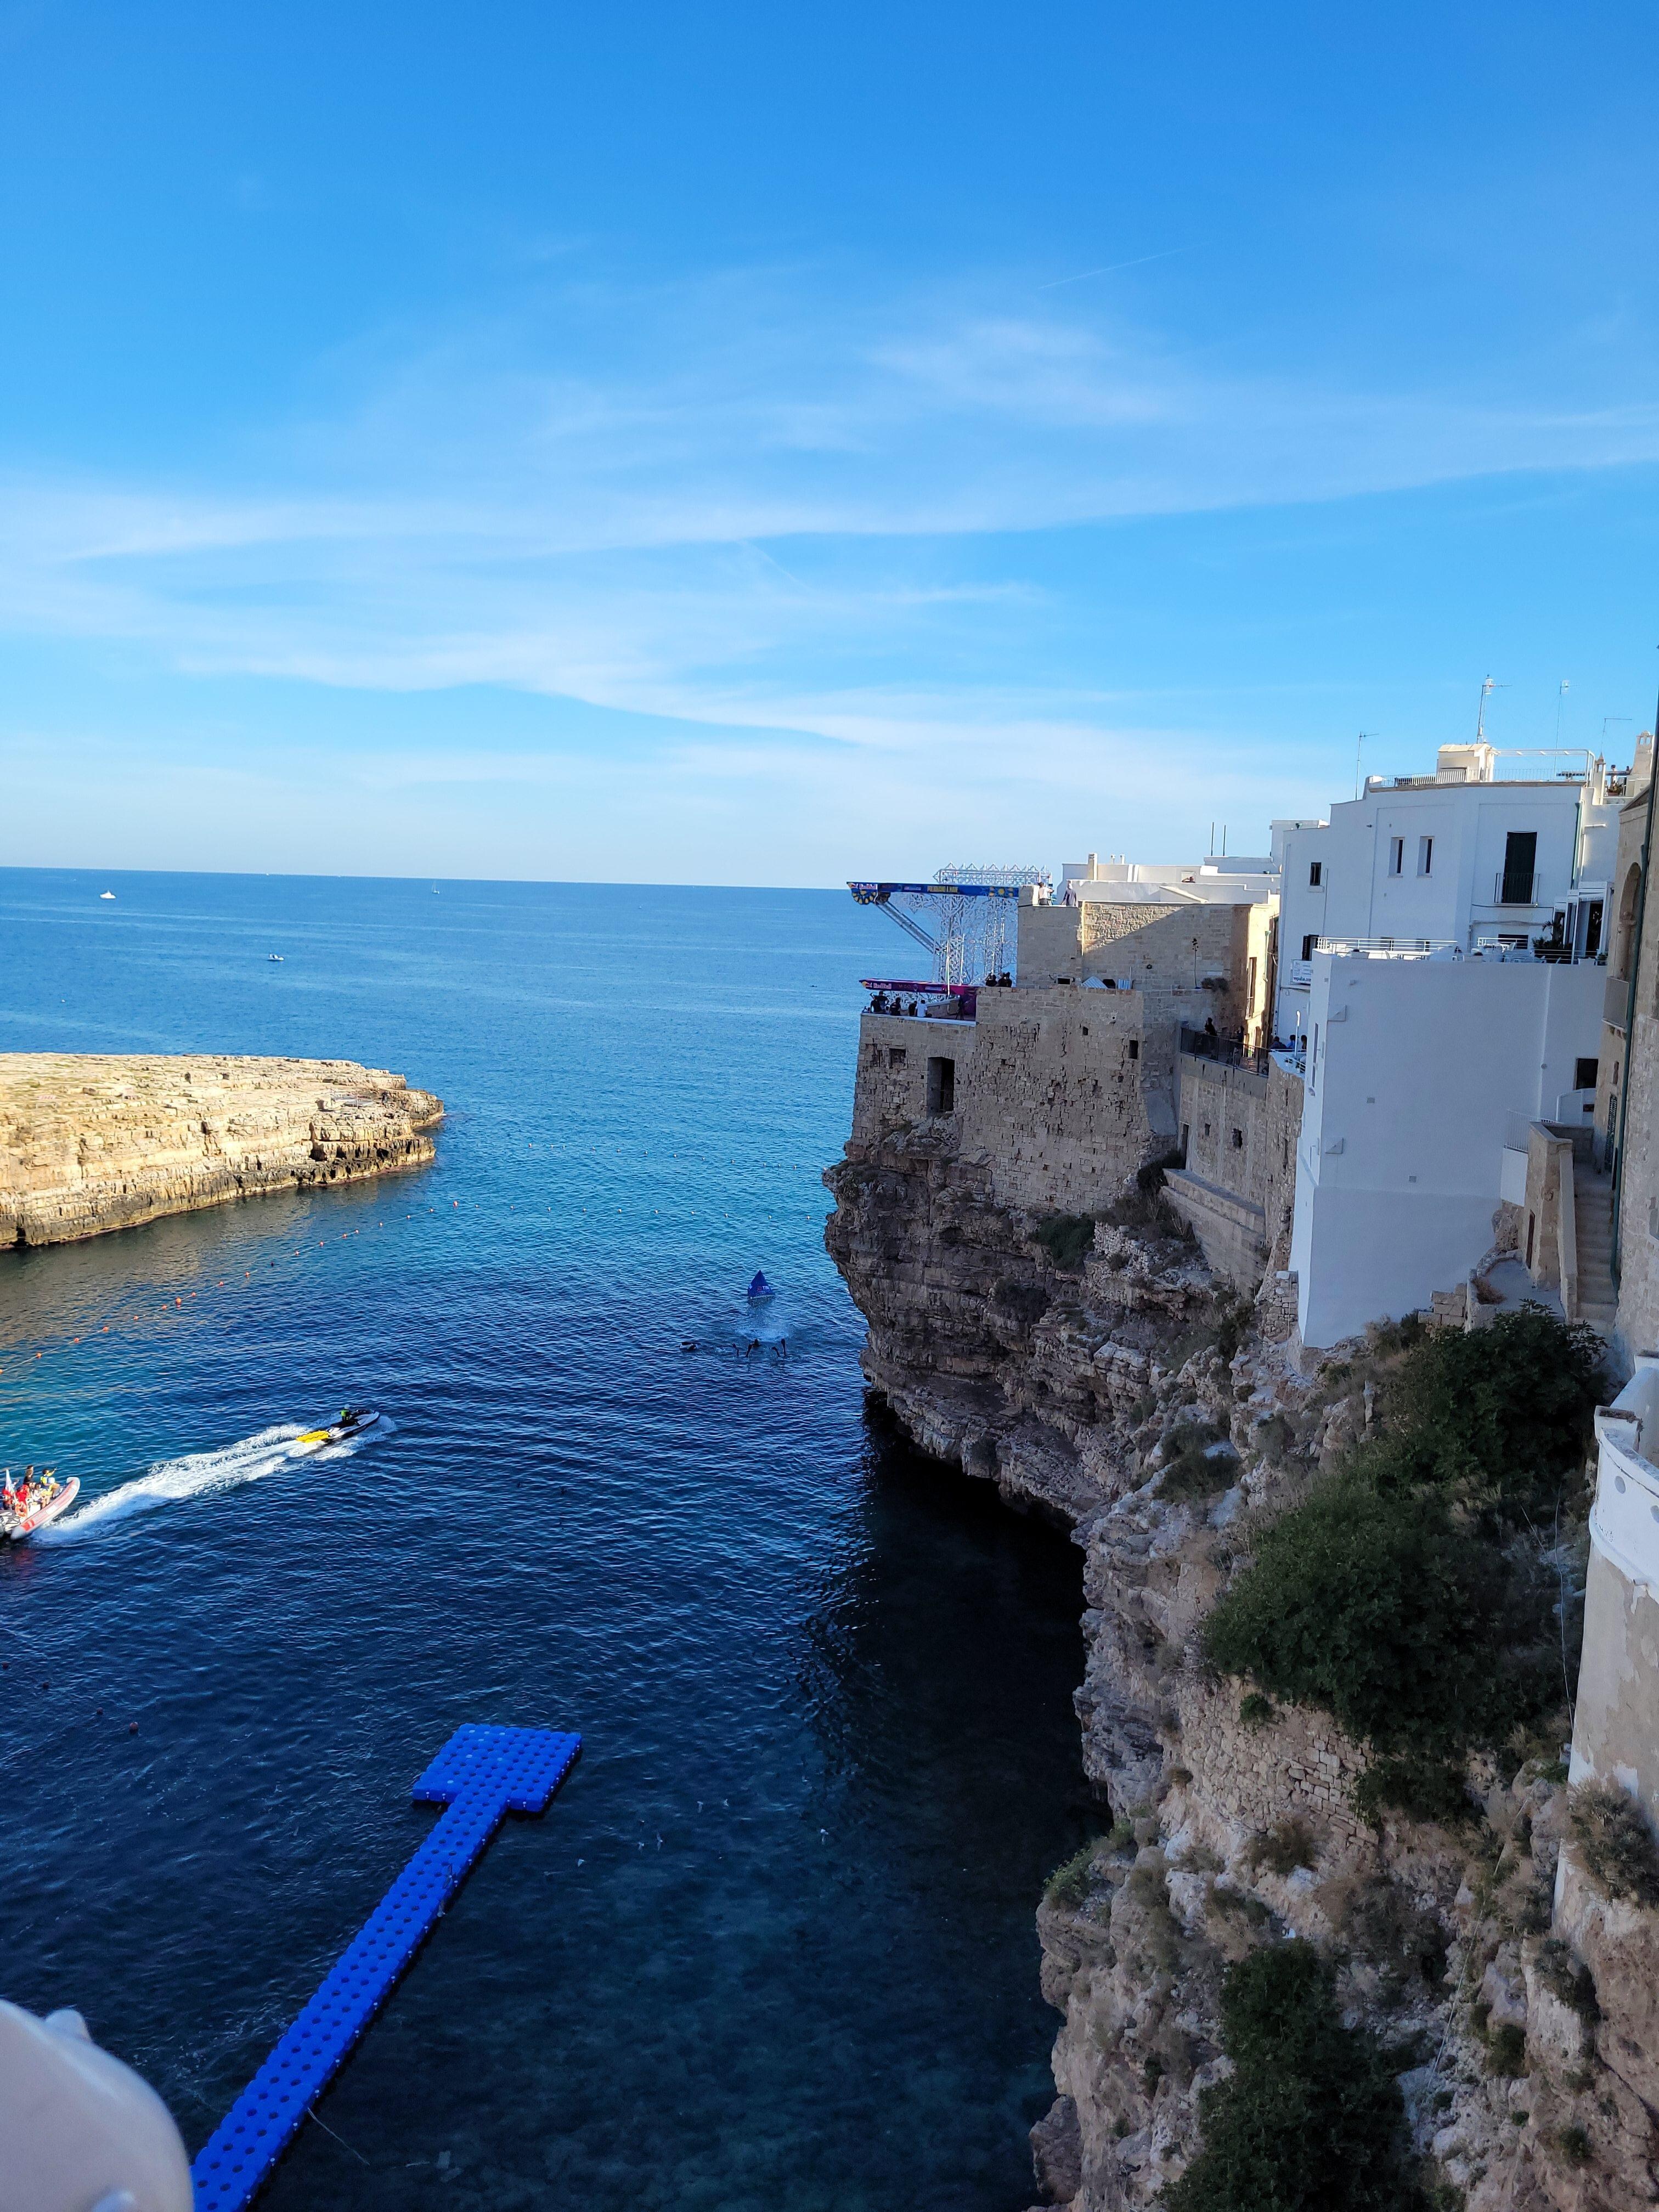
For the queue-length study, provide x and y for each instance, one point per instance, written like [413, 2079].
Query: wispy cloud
[732, 503]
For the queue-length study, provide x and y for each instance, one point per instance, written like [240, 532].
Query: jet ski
[760, 1288]
[27, 1505]
[352, 1420]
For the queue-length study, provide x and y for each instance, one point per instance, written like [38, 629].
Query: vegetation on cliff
[1407, 1595]
[1310, 2118]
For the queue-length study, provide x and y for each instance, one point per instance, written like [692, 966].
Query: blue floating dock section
[480, 1775]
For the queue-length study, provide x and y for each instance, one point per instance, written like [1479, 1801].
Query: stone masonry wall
[1237, 1195]
[1053, 1097]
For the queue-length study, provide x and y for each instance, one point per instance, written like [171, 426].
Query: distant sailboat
[760, 1288]
[106, 895]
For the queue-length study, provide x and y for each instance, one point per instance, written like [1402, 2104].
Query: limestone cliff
[92, 1141]
[1129, 1393]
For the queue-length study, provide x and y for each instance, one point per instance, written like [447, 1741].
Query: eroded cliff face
[92, 1141]
[1130, 1395]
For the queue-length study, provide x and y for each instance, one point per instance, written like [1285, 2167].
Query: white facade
[1456, 858]
[1615, 1734]
[1418, 1072]
[1222, 882]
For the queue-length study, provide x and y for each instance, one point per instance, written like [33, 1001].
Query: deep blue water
[773, 1944]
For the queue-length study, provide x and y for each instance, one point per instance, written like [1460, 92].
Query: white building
[1222, 880]
[1422, 1072]
[1457, 858]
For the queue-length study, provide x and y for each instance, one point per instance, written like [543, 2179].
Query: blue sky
[751, 444]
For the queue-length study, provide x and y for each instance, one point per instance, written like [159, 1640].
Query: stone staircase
[1592, 1200]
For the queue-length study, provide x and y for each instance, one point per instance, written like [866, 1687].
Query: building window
[895, 1055]
[1239, 1140]
[1592, 930]
[1186, 1132]
[1250, 992]
[1532, 1232]
[1520, 868]
[1134, 1047]
[1315, 874]
[1426, 856]
[941, 1086]
[1396, 855]
[1308, 943]
[1313, 1061]
[1584, 1074]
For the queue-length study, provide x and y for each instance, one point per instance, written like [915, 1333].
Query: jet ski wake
[201, 1475]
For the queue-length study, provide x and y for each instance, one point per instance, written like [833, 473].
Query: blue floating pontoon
[760, 1288]
[480, 1774]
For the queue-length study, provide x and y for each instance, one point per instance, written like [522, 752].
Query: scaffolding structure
[970, 907]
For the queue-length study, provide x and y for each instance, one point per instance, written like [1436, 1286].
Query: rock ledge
[94, 1141]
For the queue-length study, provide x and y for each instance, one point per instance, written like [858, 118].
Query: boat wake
[197, 1474]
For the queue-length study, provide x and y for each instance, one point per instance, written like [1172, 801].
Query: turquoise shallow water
[773, 1945]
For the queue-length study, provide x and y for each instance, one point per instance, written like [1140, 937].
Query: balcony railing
[1227, 1051]
[1387, 948]
[1515, 891]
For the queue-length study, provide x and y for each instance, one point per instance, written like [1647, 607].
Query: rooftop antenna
[1490, 683]
[1358, 751]
[1560, 701]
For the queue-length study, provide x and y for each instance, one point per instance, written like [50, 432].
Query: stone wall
[1047, 1091]
[1238, 1131]
[1189, 962]
[1247, 1775]
[1055, 1097]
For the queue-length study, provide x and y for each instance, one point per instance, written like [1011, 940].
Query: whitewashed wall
[1421, 1068]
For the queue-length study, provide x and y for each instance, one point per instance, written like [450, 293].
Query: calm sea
[772, 1947]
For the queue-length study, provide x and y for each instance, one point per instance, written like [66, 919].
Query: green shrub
[1255, 1711]
[1381, 1921]
[1384, 1610]
[1428, 1788]
[1506, 2052]
[1618, 1844]
[1066, 1237]
[1149, 1180]
[1286, 1846]
[1497, 1417]
[1275, 1436]
[1190, 1470]
[1311, 2119]
[1574, 2145]
[1250, 1909]
[1568, 1979]
[1068, 1885]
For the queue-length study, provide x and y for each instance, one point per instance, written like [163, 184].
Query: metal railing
[1391, 948]
[1515, 891]
[1226, 1051]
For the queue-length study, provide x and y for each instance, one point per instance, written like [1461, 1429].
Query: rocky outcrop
[92, 1142]
[1133, 1396]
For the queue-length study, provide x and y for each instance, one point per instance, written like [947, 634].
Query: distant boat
[760, 1288]
[106, 895]
[273, 956]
